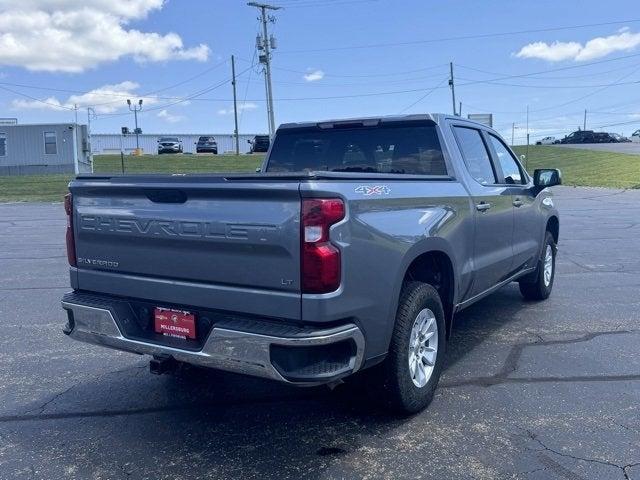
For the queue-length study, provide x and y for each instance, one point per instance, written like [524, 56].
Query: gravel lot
[531, 390]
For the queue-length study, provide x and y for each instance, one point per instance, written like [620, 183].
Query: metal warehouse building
[43, 148]
[108, 143]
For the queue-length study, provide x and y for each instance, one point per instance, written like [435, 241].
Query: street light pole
[135, 109]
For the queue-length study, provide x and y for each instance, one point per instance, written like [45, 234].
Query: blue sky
[335, 58]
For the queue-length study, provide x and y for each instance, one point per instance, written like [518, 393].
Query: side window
[512, 173]
[3, 144]
[475, 155]
[50, 143]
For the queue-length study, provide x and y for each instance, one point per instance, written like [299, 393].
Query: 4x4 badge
[369, 190]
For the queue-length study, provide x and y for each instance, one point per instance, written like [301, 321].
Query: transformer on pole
[264, 44]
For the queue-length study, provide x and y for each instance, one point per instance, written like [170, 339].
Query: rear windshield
[376, 149]
[206, 139]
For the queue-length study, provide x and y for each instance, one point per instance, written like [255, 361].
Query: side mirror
[546, 177]
[258, 169]
[523, 158]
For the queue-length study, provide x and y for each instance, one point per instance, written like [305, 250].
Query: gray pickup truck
[351, 250]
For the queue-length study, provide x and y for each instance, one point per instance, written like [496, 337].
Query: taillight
[71, 243]
[320, 259]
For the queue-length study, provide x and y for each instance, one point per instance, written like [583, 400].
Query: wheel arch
[553, 226]
[418, 265]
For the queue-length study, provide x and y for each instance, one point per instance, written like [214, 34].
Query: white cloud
[169, 117]
[105, 99]
[74, 35]
[555, 52]
[598, 47]
[241, 107]
[314, 76]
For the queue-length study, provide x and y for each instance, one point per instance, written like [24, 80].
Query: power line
[471, 81]
[368, 75]
[185, 99]
[595, 92]
[630, 122]
[320, 4]
[558, 69]
[565, 77]
[57, 105]
[429, 92]
[462, 37]
[246, 90]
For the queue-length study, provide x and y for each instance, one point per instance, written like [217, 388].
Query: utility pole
[264, 44]
[453, 88]
[75, 111]
[513, 133]
[235, 103]
[135, 110]
[584, 125]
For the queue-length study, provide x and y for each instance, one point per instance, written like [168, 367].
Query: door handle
[483, 206]
[517, 202]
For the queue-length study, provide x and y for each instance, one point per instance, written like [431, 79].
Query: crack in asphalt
[571, 475]
[625, 470]
[150, 410]
[510, 365]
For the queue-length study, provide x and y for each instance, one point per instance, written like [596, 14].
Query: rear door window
[399, 149]
[475, 155]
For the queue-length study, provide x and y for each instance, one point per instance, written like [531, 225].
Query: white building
[27, 149]
[111, 143]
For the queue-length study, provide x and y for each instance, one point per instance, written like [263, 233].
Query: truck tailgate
[220, 244]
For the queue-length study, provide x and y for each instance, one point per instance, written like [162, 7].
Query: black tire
[534, 286]
[393, 377]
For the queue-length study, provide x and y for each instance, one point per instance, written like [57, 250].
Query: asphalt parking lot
[531, 390]
[631, 148]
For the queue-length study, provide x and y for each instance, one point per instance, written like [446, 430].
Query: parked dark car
[620, 138]
[259, 144]
[604, 137]
[580, 136]
[207, 145]
[589, 136]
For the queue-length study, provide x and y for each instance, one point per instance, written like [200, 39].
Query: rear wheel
[539, 286]
[409, 375]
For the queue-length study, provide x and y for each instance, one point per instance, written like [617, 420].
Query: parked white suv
[635, 136]
[169, 145]
[546, 141]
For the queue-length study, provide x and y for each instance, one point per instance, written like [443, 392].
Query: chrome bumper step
[227, 348]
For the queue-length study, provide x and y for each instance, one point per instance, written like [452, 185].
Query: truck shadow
[207, 423]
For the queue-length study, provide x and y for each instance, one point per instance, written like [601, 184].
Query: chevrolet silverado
[349, 252]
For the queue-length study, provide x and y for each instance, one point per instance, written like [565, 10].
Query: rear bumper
[289, 354]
